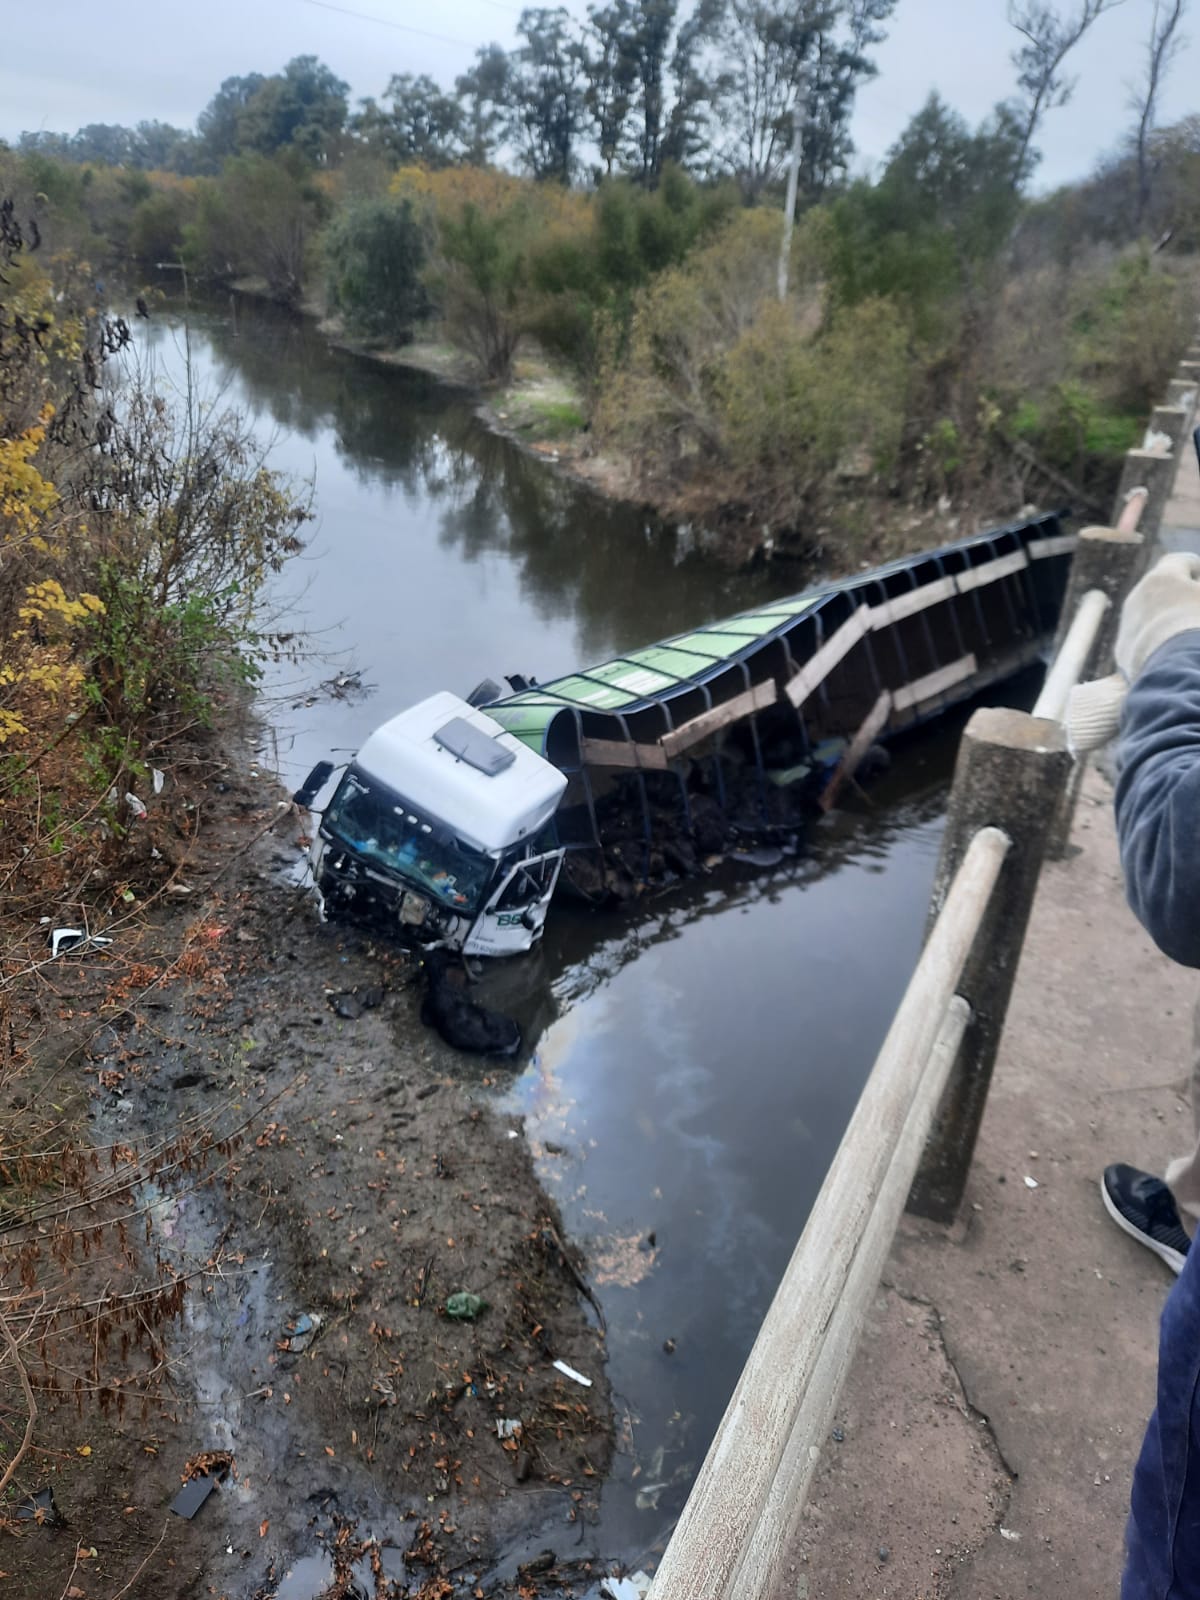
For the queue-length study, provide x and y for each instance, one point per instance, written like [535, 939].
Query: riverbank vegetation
[602, 205]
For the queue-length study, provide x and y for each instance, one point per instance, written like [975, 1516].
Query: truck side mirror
[313, 784]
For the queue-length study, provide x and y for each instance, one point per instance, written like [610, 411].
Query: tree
[376, 254]
[769, 60]
[219, 124]
[256, 219]
[610, 69]
[650, 42]
[1049, 39]
[420, 125]
[485, 89]
[303, 108]
[547, 92]
[1161, 49]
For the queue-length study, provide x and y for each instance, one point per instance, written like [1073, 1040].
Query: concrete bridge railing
[912, 1137]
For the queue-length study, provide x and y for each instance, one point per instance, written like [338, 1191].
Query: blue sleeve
[1158, 797]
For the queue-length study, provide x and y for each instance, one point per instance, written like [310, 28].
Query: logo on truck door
[510, 919]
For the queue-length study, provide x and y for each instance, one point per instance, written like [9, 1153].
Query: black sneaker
[1141, 1204]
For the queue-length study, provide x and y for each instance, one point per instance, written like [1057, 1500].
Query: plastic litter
[636, 1587]
[136, 806]
[158, 778]
[464, 1307]
[508, 1427]
[301, 1331]
[569, 1372]
[193, 1495]
[1007, 1533]
[64, 940]
[1030, 1183]
[40, 1508]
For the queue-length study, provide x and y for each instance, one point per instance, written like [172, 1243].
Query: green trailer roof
[630, 682]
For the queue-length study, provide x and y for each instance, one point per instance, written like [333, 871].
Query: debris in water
[569, 1372]
[669, 1346]
[463, 1307]
[766, 856]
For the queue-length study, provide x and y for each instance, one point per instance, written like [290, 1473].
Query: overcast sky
[70, 62]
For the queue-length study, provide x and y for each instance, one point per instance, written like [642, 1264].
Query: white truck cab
[438, 830]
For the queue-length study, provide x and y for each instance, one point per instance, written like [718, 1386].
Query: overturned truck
[457, 821]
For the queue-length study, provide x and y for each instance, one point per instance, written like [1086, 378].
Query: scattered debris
[1008, 1533]
[301, 1331]
[193, 1495]
[758, 857]
[508, 1427]
[464, 1307]
[41, 1508]
[64, 940]
[201, 1476]
[669, 1346]
[569, 1372]
[346, 1005]
[1030, 1183]
[137, 807]
[636, 1587]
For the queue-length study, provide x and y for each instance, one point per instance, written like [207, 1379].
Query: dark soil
[366, 1180]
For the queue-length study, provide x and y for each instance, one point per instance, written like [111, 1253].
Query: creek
[690, 1062]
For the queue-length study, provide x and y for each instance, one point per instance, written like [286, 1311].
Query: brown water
[693, 1062]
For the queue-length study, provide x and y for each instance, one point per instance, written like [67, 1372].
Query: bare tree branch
[1161, 48]
[1049, 39]
[14, 1351]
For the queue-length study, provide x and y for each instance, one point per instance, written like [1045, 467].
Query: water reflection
[442, 553]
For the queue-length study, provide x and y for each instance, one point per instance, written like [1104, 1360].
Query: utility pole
[793, 183]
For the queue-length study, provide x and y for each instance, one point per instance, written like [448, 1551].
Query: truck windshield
[378, 825]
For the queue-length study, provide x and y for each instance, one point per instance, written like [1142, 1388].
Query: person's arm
[1158, 797]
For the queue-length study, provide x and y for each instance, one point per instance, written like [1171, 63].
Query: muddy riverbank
[357, 1178]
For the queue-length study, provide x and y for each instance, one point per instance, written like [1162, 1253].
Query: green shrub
[375, 259]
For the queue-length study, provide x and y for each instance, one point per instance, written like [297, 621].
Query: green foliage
[257, 219]
[481, 281]
[375, 257]
[795, 409]
[157, 226]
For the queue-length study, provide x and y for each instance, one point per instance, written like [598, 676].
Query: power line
[386, 22]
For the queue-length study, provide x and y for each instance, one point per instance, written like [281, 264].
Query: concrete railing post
[1183, 394]
[1173, 421]
[1012, 769]
[1157, 473]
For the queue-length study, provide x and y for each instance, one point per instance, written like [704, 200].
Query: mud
[367, 1180]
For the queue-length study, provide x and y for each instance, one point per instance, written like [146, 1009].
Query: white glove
[1094, 713]
[1164, 603]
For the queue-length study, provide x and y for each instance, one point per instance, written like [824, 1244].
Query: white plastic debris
[158, 778]
[64, 940]
[508, 1427]
[135, 805]
[569, 1372]
[635, 1588]
[1030, 1183]
[1007, 1533]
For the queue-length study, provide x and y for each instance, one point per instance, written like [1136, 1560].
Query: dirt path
[371, 1182]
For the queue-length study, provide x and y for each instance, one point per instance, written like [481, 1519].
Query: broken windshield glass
[381, 827]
